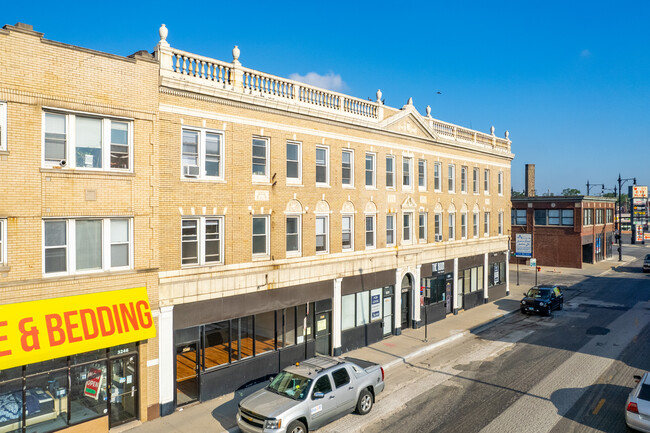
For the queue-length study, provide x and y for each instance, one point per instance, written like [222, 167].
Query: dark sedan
[543, 300]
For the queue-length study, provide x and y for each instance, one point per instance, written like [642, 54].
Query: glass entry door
[388, 315]
[187, 373]
[124, 390]
[323, 333]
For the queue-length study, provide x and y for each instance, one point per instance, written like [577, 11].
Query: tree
[516, 194]
[570, 192]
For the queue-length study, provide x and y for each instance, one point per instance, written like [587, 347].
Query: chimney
[530, 180]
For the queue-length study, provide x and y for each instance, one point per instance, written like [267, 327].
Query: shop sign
[495, 267]
[438, 267]
[523, 245]
[375, 307]
[53, 328]
[639, 191]
[93, 383]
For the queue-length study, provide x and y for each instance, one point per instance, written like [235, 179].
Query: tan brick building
[270, 220]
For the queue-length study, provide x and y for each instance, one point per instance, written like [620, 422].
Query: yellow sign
[40, 330]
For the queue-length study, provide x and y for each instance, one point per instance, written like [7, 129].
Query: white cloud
[585, 53]
[330, 81]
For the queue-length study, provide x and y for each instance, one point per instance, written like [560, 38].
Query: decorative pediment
[438, 208]
[451, 208]
[409, 122]
[463, 208]
[348, 207]
[322, 207]
[409, 204]
[293, 206]
[370, 208]
[476, 209]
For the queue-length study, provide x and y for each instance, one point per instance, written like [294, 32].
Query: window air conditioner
[438, 238]
[191, 170]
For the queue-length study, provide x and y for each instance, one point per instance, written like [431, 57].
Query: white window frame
[392, 173]
[476, 179]
[327, 166]
[451, 178]
[486, 181]
[68, 162]
[486, 224]
[3, 126]
[500, 183]
[463, 225]
[373, 173]
[351, 217]
[500, 223]
[326, 234]
[201, 239]
[463, 179]
[261, 178]
[373, 218]
[294, 180]
[71, 254]
[451, 226]
[267, 225]
[475, 224]
[422, 175]
[202, 154]
[3, 242]
[297, 253]
[437, 176]
[425, 227]
[437, 226]
[351, 153]
[393, 229]
[407, 230]
[408, 173]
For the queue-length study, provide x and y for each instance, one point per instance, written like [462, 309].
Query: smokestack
[530, 180]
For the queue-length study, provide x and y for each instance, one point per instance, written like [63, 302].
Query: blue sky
[570, 80]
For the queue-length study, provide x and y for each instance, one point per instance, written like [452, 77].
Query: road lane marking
[599, 406]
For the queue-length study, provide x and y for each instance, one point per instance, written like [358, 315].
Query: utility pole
[621, 182]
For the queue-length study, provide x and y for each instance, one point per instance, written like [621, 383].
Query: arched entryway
[407, 289]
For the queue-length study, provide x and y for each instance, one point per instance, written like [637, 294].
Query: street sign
[533, 263]
[523, 245]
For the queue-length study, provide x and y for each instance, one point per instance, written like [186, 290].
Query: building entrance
[407, 285]
[187, 373]
[124, 390]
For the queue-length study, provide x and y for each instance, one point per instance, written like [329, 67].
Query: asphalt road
[569, 372]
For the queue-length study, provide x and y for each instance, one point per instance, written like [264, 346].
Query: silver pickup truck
[311, 394]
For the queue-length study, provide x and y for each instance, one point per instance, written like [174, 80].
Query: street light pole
[621, 182]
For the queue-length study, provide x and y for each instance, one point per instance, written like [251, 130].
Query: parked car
[310, 394]
[637, 407]
[543, 300]
[646, 263]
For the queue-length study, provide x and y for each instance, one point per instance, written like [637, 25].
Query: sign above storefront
[52, 328]
[638, 191]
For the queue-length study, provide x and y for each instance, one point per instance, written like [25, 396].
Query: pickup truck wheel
[296, 427]
[365, 402]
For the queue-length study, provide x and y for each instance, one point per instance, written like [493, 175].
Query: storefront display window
[304, 317]
[88, 392]
[288, 336]
[46, 398]
[375, 304]
[242, 338]
[264, 332]
[496, 274]
[348, 306]
[434, 289]
[11, 401]
[217, 344]
[363, 308]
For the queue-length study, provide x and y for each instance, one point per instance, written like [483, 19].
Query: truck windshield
[291, 385]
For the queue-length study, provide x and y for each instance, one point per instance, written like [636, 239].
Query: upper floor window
[500, 223]
[347, 232]
[475, 180]
[347, 167]
[261, 235]
[406, 172]
[553, 217]
[588, 217]
[518, 217]
[260, 159]
[436, 176]
[390, 230]
[422, 174]
[322, 165]
[322, 234]
[463, 179]
[451, 178]
[294, 162]
[452, 226]
[475, 224]
[437, 226]
[73, 246]
[370, 169]
[3, 242]
[463, 225]
[390, 171]
[370, 231]
[500, 183]
[293, 235]
[600, 216]
[407, 227]
[422, 227]
[201, 240]
[486, 181]
[486, 224]
[3, 126]
[86, 142]
[610, 216]
[202, 153]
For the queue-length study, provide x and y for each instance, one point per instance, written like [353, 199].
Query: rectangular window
[475, 180]
[600, 216]
[370, 169]
[452, 226]
[390, 229]
[201, 240]
[202, 154]
[390, 171]
[370, 231]
[85, 245]
[422, 174]
[96, 142]
[293, 234]
[588, 217]
[567, 217]
[363, 308]
[260, 158]
[422, 227]
[261, 236]
[486, 224]
[554, 217]
[610, 216]
[3, 242]
[406, 233]
[437, 167]
[322, 229]
[264, 332]
[463, 225]
[348, 311]
[217, 344]
[518, 217]
[322, 166]
[463, 179]
[500, 223]
[451, 178]
[437, 226]
[3, 126]
[347, 168]
[475, 224]
[347, 232]
[486, 181]
[294, 162]
[500, 183]
[540, 217]
[406, 172]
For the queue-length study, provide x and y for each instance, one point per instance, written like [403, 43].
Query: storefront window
[375, 304]
[217, 344]
[304, 318]
[435, 290]
[289, 336]
[46, 400]
[93, 355]
[264, 332]
[480, 278]
[242, 337]
[474, 284]
[88, 392]
[347, 312]
[41, 367]
[363, 308]
[11, 404]
[466, 281]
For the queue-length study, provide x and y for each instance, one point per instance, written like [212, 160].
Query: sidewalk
[219, 414]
